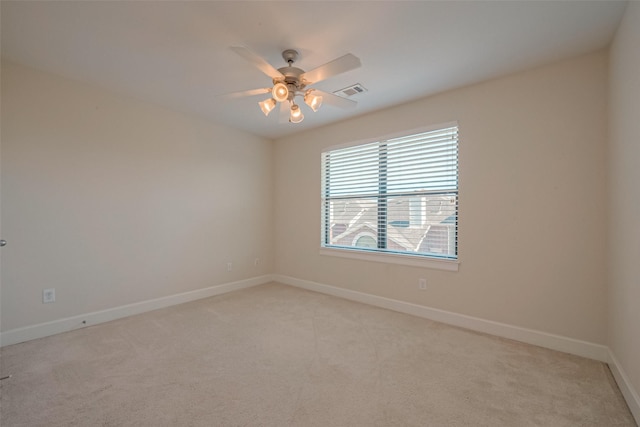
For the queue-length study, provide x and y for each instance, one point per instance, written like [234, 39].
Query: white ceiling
[177, 53]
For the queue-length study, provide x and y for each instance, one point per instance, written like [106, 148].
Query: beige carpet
[280, 356]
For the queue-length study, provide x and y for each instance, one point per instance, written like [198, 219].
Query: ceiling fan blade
[258, 61]
[335, 100]
[337, 66]
[285, 111]
[250, 92]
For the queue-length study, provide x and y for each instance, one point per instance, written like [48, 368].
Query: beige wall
[532, 144]
[112, 201]
[624, 190]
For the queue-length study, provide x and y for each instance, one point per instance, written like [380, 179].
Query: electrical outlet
[256, 262]
[422, 284]
[229, 266]
[48, 295]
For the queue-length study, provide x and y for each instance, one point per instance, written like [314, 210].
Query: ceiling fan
[290, 82]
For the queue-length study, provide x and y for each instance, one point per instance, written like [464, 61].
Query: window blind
[397, 195]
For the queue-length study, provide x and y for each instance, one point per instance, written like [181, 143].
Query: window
[394, 196]
[366, 240]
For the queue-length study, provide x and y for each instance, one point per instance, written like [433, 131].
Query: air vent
[351, 90]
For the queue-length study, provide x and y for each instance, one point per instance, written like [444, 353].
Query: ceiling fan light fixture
[290, 81]
[296, 114]
[280, 92]
[313, 101]
[267, 105]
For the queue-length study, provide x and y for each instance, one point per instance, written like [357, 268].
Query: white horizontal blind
[398, 195]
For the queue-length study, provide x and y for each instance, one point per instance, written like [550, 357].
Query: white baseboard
[629, 393]
[529, 336]
[41, 330]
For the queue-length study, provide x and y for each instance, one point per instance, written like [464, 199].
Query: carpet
[275, 355]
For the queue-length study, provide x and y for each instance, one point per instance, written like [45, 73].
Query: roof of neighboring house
[362, 214]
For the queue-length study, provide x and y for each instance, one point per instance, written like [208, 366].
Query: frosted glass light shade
[280, 92]
[267, 105]
[313, 101]
[296, 114]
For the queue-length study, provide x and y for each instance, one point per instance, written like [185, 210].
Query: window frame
[387, 256]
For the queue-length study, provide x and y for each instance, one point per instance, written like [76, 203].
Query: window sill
[414, 261]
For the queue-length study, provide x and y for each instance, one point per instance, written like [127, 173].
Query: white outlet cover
[48, 295]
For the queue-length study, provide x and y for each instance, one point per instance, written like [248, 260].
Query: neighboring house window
[397, 195]
[365, 240]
